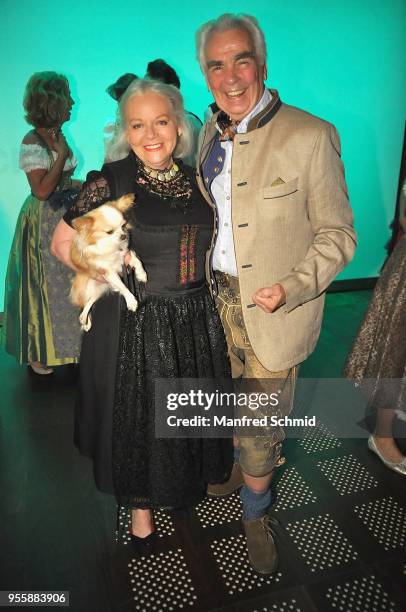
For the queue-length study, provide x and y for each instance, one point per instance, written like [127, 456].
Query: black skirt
[170, 336]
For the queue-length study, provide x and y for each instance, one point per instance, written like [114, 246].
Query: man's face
[233, 73]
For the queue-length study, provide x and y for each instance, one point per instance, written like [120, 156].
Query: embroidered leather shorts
[259, 454]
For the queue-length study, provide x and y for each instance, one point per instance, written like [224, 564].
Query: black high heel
[143, 544]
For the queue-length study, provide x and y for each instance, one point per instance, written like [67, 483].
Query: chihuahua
[98, 251]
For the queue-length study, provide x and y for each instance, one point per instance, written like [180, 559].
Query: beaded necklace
[170, 184]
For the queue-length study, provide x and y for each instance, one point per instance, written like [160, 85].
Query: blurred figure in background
[161, 71]
[41, 327]
[378, 355]
[115, 91]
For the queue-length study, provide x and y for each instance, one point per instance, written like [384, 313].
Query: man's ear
[265, 72]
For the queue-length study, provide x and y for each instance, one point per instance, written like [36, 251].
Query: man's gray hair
[229, 21]
[119, 148]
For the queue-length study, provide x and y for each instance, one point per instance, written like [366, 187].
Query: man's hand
[270, 298]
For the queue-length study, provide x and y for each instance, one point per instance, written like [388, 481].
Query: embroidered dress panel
[188, 253]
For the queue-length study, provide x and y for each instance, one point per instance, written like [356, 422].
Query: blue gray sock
[254, 505]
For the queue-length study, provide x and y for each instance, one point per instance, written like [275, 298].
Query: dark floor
[341, 513]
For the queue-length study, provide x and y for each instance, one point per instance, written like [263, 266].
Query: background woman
[378, 357]
[115, 91]
[176, 331]
[40, 325]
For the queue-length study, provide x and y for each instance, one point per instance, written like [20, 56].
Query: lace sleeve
[94, 193]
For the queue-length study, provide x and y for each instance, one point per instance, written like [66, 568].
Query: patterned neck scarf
[228, 127]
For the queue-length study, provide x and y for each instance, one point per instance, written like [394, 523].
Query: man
[283, 232]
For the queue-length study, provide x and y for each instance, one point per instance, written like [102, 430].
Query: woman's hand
[61, 146]
[61, 243]
[44, 182]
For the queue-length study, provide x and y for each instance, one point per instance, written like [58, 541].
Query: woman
[378, 356]
[175, 333]
[40, 326]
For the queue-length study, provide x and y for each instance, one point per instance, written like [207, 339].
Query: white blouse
[36, 157]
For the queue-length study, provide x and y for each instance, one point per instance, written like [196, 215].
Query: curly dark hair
[45, 99]
[117, 89]
[161, 71]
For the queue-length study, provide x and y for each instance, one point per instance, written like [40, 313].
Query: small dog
[98, 249]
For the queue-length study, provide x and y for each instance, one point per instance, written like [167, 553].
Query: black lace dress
[175, 333]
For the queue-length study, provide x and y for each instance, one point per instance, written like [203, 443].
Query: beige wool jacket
[292, 224]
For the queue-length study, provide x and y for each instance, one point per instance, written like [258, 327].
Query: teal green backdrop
[342, 60]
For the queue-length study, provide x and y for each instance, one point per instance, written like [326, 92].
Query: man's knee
[260, 456]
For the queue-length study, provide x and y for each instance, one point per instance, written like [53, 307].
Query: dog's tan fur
[98, 250]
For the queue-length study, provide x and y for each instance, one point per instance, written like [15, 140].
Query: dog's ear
[82, 223]
[125, 202]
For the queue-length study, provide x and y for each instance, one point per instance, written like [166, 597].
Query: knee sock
[254, 505]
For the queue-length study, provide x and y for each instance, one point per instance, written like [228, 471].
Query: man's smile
[235, 93]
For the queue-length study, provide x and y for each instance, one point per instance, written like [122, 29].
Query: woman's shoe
[400, 467]
[39, 369]
[140, 544]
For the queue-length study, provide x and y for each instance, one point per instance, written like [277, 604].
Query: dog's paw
[86, 326]
[132, 303]
[85, 321]
[141, 276]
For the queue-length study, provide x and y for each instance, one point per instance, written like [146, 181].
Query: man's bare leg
[258, 484]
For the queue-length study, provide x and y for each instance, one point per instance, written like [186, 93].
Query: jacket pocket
[278, 191]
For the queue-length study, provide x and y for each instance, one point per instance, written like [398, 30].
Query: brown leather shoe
[262, 551]
[233, 483]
